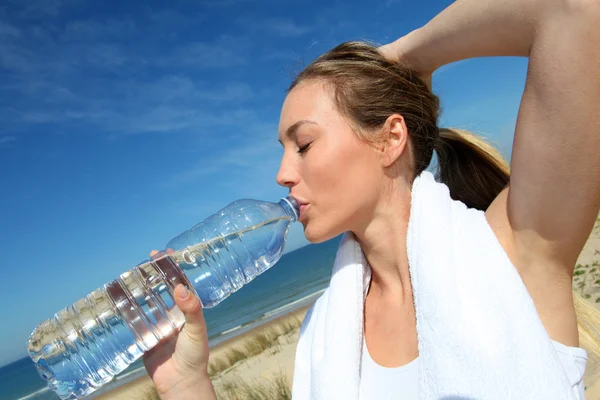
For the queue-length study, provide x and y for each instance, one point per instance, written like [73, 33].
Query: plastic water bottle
[86, 344]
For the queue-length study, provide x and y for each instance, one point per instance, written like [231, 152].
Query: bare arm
[545, 215]
[554, 195]
[471, 28]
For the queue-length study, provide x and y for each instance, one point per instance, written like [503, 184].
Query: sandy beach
[277, 360]
[587, 283]
[230, 368]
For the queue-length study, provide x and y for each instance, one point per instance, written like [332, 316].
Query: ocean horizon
[295, 281]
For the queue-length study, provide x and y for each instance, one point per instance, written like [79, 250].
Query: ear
[395, 139]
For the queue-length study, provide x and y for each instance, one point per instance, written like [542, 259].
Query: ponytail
[474, 171]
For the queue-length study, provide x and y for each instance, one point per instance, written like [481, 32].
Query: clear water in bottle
[86, 344]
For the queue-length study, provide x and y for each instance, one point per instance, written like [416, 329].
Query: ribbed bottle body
[85, 345]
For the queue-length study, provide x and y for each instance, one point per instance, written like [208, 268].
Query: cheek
[327, 173]
[343, 171]
[343, 183]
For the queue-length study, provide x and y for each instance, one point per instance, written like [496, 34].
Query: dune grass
[276, 389]
[586, 277]
[268, 338]
[150, 394]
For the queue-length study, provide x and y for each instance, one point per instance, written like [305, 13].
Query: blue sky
[124, 123]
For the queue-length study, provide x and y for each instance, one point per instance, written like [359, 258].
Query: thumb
[190, 305]
[191, 350]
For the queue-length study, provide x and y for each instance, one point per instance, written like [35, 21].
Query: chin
[315, 234]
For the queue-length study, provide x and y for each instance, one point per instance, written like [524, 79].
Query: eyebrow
[291, 131]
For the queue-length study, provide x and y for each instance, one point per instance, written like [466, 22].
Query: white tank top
[382, 383]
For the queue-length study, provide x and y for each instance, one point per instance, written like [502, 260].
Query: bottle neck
[291, 207]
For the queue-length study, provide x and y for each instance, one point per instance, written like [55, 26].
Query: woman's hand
[178, 365]
[401, 51]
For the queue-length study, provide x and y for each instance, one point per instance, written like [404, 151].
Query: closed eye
[303, 149]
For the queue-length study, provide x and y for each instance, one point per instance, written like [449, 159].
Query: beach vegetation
[275, 389]
[268, 338]
[150, 394]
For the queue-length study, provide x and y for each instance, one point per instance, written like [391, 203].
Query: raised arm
[546, 214]
[554, 193]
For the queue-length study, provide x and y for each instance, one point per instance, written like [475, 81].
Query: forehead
[307, 101]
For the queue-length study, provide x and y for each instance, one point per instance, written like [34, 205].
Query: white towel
[479, 334]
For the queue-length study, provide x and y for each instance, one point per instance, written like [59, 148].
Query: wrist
[411, 52]
[198, 388]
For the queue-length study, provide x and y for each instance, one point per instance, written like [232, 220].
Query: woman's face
[336, 177]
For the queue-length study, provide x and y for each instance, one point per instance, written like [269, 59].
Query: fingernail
[184, 293]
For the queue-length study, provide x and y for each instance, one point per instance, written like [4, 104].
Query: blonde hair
[367, 89]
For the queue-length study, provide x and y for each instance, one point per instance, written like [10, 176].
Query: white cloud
[169, 104]
[94, 75]
[41, 7]
[252, 155]
[179, 87]
[281, 55]
[92, 30]
[6, 140]
[63, 82]
[286, 27]
[223, 3]
[42, 117]
[283, 27]
[107, 56]
[223, 53]
[7, 29]
[169, 119]
[14, 58]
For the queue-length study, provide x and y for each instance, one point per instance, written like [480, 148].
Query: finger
[159, 354]
[390, 52]
[154, 254]
[384, 50]
[191, 307]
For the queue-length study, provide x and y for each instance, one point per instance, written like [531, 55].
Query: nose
[287, 175]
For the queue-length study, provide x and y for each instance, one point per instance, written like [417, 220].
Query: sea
[295, 281]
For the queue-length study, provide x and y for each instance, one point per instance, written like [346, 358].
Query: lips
[303, 210]
[303, 206]
[299, 200]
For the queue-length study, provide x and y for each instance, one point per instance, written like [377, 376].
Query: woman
[361, 127]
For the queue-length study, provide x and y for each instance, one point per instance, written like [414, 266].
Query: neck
[383, 242]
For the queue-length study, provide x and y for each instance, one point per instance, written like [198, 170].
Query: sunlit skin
[343, 179]
[348, 184]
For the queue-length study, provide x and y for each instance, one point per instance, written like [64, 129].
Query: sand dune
[587, 282]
